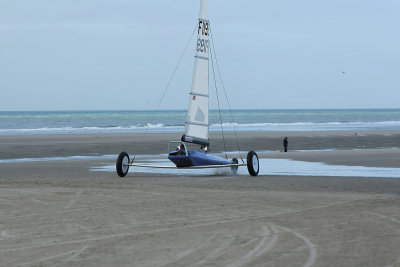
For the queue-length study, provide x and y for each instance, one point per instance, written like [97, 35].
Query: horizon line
[235, 109]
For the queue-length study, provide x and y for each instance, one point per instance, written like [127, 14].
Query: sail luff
[197, 124]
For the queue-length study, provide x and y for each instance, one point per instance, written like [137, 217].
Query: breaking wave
[243, 127]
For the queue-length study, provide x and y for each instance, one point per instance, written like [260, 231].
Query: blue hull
[197, 158]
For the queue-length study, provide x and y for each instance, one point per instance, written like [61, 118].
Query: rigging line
[226, 95]
[169, 82]
[219, 108]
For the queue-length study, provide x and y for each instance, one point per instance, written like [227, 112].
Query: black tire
[121, 166]
[234, 169]
[253, 165]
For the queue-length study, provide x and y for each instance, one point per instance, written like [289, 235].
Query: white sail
[197, 123]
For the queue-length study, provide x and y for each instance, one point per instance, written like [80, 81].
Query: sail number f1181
[203, 33]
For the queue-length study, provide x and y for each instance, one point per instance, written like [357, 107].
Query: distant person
[285, 144]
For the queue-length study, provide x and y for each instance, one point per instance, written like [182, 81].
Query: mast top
[203, 9]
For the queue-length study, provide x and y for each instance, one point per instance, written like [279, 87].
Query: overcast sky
[120, 54]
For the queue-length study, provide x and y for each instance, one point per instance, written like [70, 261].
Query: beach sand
[59, 213]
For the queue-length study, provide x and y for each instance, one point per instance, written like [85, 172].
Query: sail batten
[198, 94]
[200, 57]
[197, 124]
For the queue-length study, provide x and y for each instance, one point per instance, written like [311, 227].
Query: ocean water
[78, 122]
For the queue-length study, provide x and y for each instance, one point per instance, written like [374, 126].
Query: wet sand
[59, 213]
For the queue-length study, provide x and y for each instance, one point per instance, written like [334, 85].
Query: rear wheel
[234, 169]
[122, 165]
[253, 165]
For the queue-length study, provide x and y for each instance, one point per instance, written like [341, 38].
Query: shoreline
[42, 146]
[227, 131]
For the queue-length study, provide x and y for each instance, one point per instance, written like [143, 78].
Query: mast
[197, 124]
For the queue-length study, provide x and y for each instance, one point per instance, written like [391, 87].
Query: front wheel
[253, 165]
[122, 165]
[234, 169]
